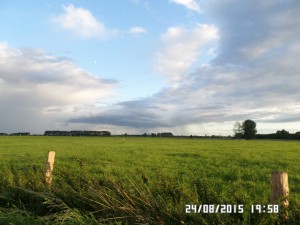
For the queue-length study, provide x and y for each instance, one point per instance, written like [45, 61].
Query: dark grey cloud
[143, 113]
[284, 119]
[134, 119]
[254, 29]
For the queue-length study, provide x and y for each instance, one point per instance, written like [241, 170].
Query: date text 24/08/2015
[228, 208]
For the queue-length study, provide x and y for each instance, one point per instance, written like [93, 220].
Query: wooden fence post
[49, 168]
[280, 194]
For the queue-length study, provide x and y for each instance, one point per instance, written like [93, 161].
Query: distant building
[20, 134]
[77, 133]
[165, 134]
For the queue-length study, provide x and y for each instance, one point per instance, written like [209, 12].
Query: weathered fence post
[49, 168]
[280, 194]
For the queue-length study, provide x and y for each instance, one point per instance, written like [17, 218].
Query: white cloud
[82, 22]
[137, 30]
[189, 4]
[39, 91]
[181, 48]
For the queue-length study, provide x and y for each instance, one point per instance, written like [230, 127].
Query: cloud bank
[38, 90]
[255, 73]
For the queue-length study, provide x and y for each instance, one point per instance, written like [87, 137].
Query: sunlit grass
[142, 180]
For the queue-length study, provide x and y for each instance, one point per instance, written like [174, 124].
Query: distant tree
[238, 130]
[166, 134]
[153, 135]
[249, 129]
[282, 134]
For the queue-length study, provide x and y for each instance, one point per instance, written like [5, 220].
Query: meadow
[142, 180]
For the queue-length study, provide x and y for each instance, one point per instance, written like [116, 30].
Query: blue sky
[135, 66]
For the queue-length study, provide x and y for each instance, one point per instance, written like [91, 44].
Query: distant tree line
[16, 134]
[247, 130]
[163, 134]
[280, 134]
[76, 133]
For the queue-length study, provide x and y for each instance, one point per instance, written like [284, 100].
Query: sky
[190, 67]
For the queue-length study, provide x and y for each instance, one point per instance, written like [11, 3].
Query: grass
[142, 180]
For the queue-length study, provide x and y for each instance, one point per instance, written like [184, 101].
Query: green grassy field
[142, 180]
